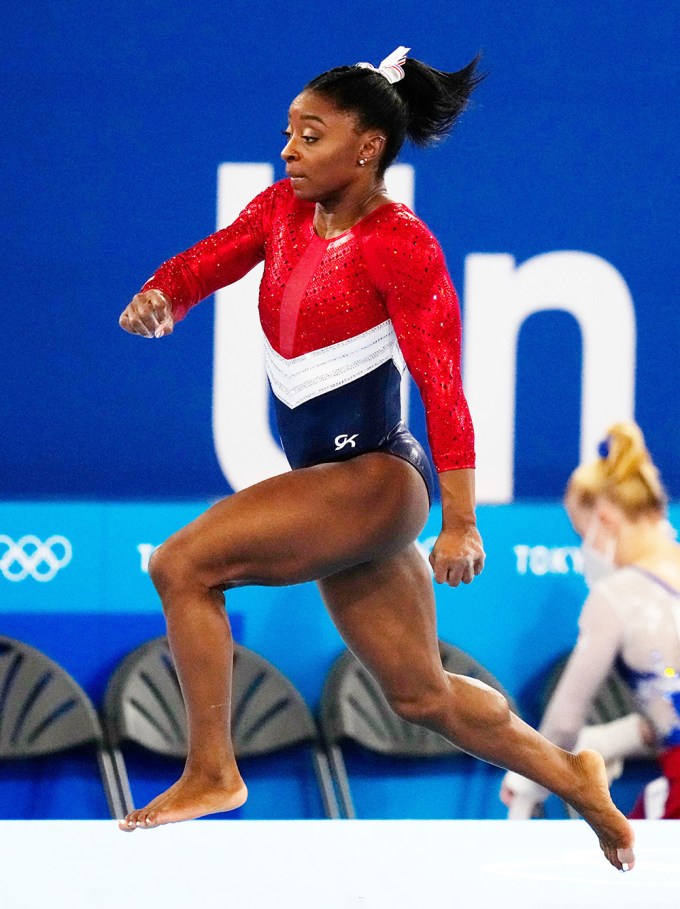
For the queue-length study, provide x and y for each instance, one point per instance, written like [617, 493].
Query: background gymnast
[352, 281]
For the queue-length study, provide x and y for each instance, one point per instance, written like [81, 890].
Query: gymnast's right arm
[189, 277]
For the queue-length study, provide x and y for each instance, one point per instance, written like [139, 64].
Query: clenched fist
[458, 555]
[149, 314]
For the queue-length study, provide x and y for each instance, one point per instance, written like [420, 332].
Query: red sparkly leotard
[337, 316]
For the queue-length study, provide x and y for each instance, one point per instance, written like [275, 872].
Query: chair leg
[325, 781]
[110, 779]
[339, 771]
[123, 783]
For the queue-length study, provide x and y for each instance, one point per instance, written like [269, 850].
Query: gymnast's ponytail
[421, 104]
[434, 99]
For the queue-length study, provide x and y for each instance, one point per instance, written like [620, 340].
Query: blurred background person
[631, 618]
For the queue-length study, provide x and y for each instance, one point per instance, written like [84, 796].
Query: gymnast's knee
[469, 700]
[167, 566]
[177, 568]
[423, 707]
[182, 566]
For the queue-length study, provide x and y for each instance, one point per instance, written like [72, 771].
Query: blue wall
[115, 119]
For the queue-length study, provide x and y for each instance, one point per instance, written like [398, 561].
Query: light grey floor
[331, 865]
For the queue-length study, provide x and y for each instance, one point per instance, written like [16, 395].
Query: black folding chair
[144, 705]
[354, 708]
[43, 711]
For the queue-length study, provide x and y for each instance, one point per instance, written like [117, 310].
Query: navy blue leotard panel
[359, 417]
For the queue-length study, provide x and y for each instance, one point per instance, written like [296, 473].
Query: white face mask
[596, 564]
[669, 531]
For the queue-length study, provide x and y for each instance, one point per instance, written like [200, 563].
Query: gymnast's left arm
[423, 306]
[458, 553]
[189, 277]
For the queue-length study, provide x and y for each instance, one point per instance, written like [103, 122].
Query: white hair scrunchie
[390, 67]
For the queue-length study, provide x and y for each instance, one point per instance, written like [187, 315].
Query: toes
[613, 859]
[621, 859]
[144, 818]
[147, 818]
[129, 822]
[627, 859]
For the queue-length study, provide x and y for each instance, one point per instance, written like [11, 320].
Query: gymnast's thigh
[305, 525]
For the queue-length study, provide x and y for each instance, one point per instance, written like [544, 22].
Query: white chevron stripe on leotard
[312, 374]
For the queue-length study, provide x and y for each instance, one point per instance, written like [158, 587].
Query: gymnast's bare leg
[397, 594]
[296, 527]
[352, 525]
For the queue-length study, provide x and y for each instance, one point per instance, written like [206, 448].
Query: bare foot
[190, 797]
[595, 806]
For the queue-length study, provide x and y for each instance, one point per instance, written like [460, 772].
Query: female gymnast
[354, 285]
[632, 617]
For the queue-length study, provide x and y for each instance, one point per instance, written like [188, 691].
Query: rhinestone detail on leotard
[388, 266]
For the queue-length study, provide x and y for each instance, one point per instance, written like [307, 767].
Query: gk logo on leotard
[29, 556]
[344, 439]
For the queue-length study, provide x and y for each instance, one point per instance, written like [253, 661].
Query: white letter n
[498, 298]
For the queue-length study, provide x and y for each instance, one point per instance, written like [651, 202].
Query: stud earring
[361, 162]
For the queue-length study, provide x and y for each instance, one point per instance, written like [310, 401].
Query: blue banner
[70, 571]
[74, 583]
[553, 202]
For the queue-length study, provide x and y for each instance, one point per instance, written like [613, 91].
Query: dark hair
[422, 107]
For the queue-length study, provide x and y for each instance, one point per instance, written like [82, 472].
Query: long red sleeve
[215, 262]
[387, 267]
[409, 269]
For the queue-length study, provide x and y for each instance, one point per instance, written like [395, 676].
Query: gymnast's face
[580, 515]
[323, 149]
[597, 523]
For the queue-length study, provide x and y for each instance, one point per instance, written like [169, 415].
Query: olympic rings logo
[29, 556]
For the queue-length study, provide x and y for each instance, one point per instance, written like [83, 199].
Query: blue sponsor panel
[88, 557]
[51, 557]
[91, 560]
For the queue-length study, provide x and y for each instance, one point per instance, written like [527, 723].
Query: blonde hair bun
[625, 473]
[627, 453]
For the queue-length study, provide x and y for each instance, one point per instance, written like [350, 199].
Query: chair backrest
[614, 697]
[42, 709]
[354, 707]
[144, 704]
